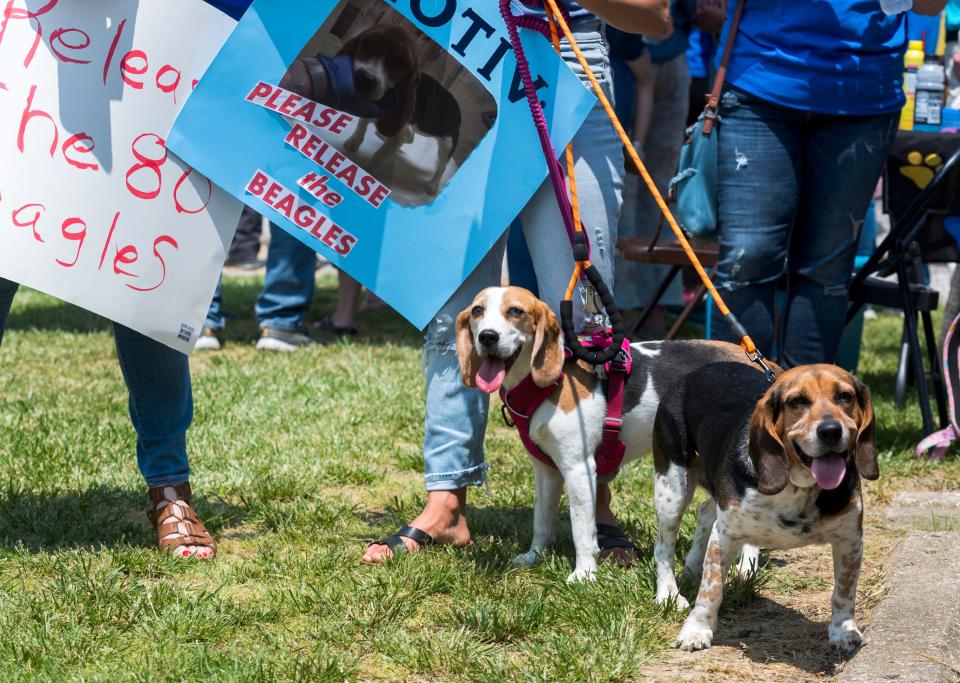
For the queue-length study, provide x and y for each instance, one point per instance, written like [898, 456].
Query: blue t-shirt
[700, 53]
[837, 57]
[235, 8]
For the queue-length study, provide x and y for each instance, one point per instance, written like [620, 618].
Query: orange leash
[555, 18]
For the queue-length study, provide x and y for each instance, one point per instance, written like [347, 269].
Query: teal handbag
[694, 189]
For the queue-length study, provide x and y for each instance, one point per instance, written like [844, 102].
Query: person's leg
[8, 290]
[161, 409]
[213, 325]
[287, 292]
[246, 241]
[625, 271]
[599, 169]
[843, 157]
[598, 165]
[760, 153]
[671, 90]
[344, 319]
[454, 423]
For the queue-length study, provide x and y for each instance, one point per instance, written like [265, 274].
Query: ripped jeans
[456, 417]
[794, 188]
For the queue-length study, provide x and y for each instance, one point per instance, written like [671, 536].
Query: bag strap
[713, 99]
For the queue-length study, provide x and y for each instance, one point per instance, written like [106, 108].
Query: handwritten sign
[93, 208]
[392, 136]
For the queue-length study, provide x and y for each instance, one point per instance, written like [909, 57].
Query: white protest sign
[93, 209]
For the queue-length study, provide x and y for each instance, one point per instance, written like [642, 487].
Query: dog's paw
[584, 574]
[527, 559]
[672, 596]
[694, 636]
[432, 188]
[845, 638]
[351, 146]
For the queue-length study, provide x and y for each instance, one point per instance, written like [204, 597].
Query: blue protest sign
[391, 136]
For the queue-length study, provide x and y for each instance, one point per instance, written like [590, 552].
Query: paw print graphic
[921, 169]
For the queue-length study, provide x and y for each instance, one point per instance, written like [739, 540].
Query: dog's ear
[866, 455]
[546, 360]
[470, 360]
[392, 123]
[766, 447]
[350, 47]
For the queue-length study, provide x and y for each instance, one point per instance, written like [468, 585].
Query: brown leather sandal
[179, 530]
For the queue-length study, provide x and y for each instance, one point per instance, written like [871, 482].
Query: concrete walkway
[914, 636]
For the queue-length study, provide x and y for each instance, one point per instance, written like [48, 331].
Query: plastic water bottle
[896, 6]
[929, 104]
[913, 60]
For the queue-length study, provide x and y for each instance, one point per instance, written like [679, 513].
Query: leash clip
[768, 372]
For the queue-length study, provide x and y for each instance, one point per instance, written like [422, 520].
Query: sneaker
[272, 339]
[208, 341]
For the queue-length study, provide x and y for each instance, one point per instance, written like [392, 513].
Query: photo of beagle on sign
[390, 136]
[369, 61]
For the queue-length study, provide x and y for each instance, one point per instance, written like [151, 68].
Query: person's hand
[710, 16]
[666, 33]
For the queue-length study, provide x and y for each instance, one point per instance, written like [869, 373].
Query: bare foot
[443, 517]
[624, 557]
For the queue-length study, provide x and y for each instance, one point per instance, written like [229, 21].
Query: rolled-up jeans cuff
[449, 481]
[154, 482]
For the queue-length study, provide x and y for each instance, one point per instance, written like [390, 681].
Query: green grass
[297, 459]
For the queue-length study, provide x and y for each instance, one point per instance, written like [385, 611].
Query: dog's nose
[830, 432]
[364, 80]
[488, 338]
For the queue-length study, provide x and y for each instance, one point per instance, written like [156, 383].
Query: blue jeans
[160, 398]
[287, 288]
[794, 187]
[456, 417]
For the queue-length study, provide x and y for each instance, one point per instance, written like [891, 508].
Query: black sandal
[395, 542]
[610, 537]
[326, 324]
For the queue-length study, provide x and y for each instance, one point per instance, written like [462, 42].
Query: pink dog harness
[521, 402]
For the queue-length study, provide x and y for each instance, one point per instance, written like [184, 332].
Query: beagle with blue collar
[782, 462]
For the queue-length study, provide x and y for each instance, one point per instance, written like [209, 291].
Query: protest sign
[93, 209]
[392, 136]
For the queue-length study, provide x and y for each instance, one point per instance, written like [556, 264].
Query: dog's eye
[477, 311]
[515, 312]
[798, 402]
[844, 397]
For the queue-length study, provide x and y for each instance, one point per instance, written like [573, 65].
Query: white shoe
[283, 340]
[208, 341]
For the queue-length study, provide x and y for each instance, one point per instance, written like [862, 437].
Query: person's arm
[648, 17]
[642, 70]
[928, 7]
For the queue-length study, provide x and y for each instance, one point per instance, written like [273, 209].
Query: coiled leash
[583, 270]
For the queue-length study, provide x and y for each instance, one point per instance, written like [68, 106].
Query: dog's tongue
[828, 470]
[490, 375]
